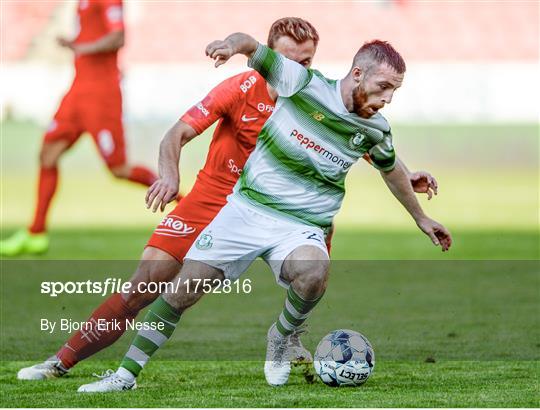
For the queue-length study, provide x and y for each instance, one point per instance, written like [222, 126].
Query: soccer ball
[344, 358]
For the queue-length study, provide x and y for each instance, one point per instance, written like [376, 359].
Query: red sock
[87, 342]
[142, 175]
[48, 180]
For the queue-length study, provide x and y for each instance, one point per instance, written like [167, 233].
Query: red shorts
[99, 113]
[179, 229]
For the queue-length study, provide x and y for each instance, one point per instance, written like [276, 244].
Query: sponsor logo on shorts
[246, 85]
[308, 143]
[235, 169]
[173, 225]
[204, 242]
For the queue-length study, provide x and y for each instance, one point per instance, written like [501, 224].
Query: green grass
[484, 184]
[348, 243]
[476, 318]
[242, 384]
[474, 310]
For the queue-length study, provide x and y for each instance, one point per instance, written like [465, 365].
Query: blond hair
[298, 29]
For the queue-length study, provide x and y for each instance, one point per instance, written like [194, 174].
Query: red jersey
[242, 105]
[97, 18]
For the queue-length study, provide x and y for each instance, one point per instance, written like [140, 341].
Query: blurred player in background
[93, 104]
[241, 105]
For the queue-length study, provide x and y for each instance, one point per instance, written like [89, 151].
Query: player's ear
[356, 74]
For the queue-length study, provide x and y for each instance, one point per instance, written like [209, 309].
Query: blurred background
[467, 112]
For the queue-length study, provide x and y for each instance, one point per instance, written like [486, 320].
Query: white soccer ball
[344, 358]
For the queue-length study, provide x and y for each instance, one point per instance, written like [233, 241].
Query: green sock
[162, 317]
[295, 312]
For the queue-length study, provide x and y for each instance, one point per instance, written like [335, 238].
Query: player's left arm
[397, 180]
[422, 182]
[396, 177]
[112, 15]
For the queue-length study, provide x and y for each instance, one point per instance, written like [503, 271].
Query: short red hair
[380, 52]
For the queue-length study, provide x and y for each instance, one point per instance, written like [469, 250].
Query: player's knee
[120, 171]
[49, 156]
[180, 301]
[137, 301]
[154, 275]
[308, 269]
[313, 278]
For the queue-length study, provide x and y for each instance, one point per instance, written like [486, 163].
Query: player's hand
[438, 234]
[160, 193]
[220, 51]
[424, 183]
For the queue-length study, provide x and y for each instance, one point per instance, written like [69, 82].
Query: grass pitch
[449, 330]
[456, 333]
[242, 384]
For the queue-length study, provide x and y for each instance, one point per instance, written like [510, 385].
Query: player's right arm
[217, 104]
[287, 77]
[165, 189]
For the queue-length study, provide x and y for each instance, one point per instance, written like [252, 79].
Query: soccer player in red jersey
[241, 105]
[93, 104]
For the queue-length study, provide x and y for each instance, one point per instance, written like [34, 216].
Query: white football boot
[300, 356]
[50, 369]
[277, 366]
[110, 382]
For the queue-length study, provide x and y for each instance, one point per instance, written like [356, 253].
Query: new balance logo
[247, 119]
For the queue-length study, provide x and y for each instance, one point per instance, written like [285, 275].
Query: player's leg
[155, 266]
[161, 319]
[165, 314]
[63, 132]
[222, 258]
[104, 122]
[160, 263]
[305, 271]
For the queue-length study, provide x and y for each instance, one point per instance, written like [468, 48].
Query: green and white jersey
[307, 147]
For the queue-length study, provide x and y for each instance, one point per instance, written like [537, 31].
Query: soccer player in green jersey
[291, 188]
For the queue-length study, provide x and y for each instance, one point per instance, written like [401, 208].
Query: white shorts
[241, 232]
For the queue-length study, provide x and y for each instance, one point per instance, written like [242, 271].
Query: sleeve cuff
[257, 58]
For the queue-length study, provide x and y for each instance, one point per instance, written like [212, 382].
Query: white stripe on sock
[136, 354]
[166, 321]
[285, 323]
[295, 313]
[154, 336]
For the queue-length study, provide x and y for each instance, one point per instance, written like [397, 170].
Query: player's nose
[387, 99]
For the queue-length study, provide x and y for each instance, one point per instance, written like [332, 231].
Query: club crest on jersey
[356, 140]
[204, 242]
